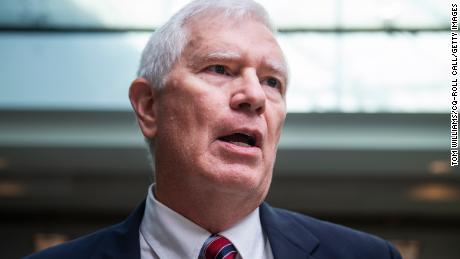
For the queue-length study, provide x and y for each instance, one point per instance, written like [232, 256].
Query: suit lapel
[288, 238]
[123, 240]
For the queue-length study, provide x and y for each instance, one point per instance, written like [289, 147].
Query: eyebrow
[223, 55]
[215, 56]
[277, 67]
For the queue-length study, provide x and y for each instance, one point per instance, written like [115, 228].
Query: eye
[273, 82]
[218, 69]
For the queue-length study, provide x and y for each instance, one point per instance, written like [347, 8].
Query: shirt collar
[247, 236]
[168, 233]
[171, 235]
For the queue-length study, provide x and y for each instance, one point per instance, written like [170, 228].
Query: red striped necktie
[218, 247]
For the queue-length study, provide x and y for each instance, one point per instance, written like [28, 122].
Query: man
[210, 100]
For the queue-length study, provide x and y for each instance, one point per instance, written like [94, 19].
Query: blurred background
[366, 142]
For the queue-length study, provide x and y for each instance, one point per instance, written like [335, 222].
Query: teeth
[241, 144]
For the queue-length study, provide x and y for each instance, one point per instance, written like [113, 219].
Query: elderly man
[210, 100]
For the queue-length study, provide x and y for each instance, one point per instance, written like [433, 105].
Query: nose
[249, 94]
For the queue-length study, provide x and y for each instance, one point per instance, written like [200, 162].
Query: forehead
[246, 39]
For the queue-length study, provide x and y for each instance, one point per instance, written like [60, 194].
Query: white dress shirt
[165, 234]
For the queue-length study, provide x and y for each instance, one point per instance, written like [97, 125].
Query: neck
[212, 210]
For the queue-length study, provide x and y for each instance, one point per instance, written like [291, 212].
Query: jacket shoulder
[82, 247]
[337, 241]
[117, 241]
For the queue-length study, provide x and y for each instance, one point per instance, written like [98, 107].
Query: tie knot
[217, 247]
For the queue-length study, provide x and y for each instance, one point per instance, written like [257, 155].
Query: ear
[142, 97]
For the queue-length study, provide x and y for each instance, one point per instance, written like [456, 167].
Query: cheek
[211, 104]
[189, 117]
[175, 115]
[276, 121]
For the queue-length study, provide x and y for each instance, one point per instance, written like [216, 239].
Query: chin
[241, 178]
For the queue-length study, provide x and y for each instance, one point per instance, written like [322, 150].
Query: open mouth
[240, 139]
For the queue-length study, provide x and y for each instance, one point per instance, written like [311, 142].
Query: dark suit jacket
[291, 236]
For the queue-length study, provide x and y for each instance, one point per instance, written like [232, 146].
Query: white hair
[167, 43]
